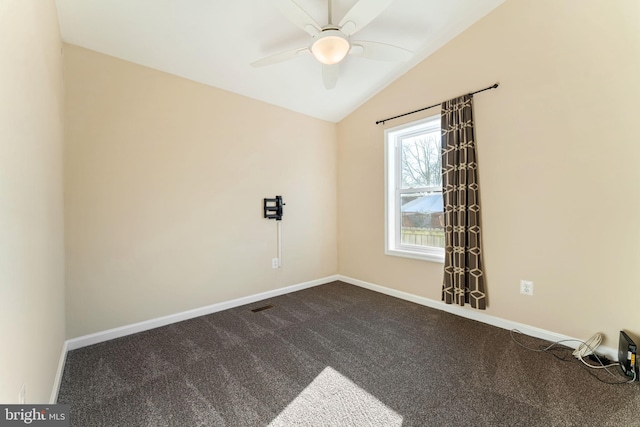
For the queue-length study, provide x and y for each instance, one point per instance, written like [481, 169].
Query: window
[414, 220]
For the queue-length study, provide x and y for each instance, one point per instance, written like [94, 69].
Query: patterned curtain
[463, 274]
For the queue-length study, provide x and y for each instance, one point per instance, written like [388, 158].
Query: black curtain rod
[431, 106]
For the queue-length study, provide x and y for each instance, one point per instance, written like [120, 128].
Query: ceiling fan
[330, 44]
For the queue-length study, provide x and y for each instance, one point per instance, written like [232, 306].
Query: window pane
[420, 162]
[413, 184]
[422, 221]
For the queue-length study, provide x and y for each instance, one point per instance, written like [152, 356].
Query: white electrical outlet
[274, 263]
[526, 287]
[22, 396]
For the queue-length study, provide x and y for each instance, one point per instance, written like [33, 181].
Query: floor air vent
[266, 307]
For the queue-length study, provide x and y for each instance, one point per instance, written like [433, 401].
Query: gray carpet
[336, 355]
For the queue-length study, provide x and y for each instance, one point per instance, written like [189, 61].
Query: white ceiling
[214, 41]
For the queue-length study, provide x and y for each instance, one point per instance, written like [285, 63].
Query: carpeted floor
[336, 355]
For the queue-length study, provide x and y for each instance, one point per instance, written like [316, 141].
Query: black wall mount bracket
[273, 208]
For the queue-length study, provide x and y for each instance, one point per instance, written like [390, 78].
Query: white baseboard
[122, 331]
[479, 316]
[56, 381]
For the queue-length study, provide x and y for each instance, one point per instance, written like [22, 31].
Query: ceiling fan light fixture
[330, 47]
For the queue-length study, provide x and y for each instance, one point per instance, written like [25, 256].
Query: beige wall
[31, 220]
[164, 181]
[558, 150]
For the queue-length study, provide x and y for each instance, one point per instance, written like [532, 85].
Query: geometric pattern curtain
[463, 274]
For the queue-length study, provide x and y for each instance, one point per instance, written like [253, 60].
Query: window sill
[431, 257]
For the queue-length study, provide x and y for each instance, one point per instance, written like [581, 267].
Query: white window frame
[393, 191]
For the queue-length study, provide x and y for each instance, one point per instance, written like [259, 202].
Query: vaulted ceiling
[215, 41]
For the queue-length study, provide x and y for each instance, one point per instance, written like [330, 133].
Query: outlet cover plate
[526, 287]
[274, 263]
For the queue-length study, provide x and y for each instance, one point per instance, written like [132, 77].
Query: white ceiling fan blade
[298, 16]
[330, 75]
[279, 57]
[380, 51]
[361, 14]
